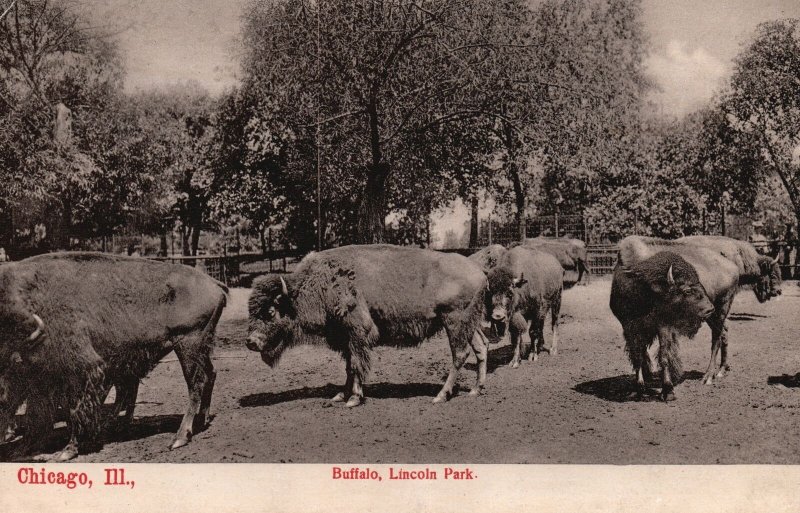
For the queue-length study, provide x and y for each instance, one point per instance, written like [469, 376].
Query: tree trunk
[372, 211]
[262, 236]
[473, 223]
[185, 235]
[520, 200]
[65, 229]
[163, 248]
[6, 226]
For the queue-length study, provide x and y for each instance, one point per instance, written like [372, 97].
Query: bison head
[769, 282]
[680, 297]
[502, 298]
[271, 318]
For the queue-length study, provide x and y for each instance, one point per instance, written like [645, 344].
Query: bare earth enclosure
[573, 407]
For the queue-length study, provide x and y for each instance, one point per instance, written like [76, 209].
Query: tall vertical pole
[319, 189]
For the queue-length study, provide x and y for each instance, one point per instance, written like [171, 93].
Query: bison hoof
[667, 395]
[338, 398]
[708, 380]
[476, 391]
[441, 398]
[355, 400]
[514, 364]
[178, 443]
[67, 454]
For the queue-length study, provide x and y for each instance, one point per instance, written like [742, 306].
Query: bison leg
[555, 312]
[636, 347]
[480, 345]
[194, 354]
[348, 385]
[127, 391]
[459, 347]
[670, 363]
[85, 414]
[199, 372]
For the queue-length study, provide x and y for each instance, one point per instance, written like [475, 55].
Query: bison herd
[74, 325]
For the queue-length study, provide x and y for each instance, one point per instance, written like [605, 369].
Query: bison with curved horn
[74, 324]
[354, 298]
[718, 275]
[657, 296]
[524, 286]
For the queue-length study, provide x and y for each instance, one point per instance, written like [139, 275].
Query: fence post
[705, 222]
[556, 221]
[490, 229]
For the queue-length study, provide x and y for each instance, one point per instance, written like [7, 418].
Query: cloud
[688, 79]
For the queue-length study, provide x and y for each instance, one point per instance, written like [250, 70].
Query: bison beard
[278, 335]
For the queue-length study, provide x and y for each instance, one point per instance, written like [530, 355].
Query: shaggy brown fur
[106, 320]
[356, 297]
[718, 275]
[660, 296]
[532, 299]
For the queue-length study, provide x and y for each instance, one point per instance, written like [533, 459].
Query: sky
[693, 42]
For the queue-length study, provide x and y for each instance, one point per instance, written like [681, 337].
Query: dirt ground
[572, 407]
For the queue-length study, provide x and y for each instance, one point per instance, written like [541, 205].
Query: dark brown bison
[718, 275]
[74, 324]
[658, 296]
[524, 285]
[570, 253]
[356, 297]
[760, 271]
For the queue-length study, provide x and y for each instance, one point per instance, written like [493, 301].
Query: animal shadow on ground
[740, 316]
[142, 427]
[785, 380]
[621, 389]
[371, 391]
[495, 358]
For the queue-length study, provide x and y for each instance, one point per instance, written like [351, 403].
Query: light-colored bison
[570, 253]
[356, 297]
[718, 275]
[74, 324]
[524, 285]
[760, 271]
[657, 296]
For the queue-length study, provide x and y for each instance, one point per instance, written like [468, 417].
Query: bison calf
[356, 297]
[524, 285]
[74, 324]
[660, 296]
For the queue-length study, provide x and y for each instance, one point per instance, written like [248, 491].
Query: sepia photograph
[398, 240]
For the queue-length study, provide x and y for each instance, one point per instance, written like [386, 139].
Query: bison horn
[284, 288]
[39, 329]
[670, 278]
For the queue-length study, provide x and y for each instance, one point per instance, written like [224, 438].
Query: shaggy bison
[760, 271]
[718, 275]
[524, 285]
[74, 324]
[658, 296]
[356, 297]
[570, 253]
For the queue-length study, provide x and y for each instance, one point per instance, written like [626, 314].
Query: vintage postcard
[399, 255]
